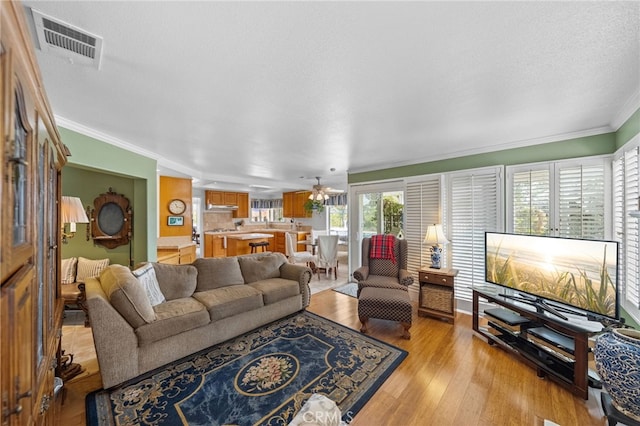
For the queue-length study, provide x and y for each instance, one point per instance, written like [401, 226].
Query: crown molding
[627, 110]
[103, 137]
[487, 149]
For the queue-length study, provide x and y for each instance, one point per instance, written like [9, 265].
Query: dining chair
[295, 256]
[328, 254]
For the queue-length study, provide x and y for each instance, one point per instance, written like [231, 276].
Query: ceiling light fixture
[318, 192]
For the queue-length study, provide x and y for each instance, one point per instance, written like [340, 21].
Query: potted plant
[313, 205]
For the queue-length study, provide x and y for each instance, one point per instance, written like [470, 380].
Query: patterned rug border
[362, 399]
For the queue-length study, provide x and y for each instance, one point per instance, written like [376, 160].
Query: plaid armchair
[384, 273]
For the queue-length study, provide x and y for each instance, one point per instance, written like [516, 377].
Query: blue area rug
[350, 289]
[261, 378]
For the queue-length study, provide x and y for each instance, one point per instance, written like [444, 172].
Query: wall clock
[177, 206]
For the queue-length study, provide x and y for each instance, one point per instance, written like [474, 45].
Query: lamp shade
[72, 211]
[318, 196]
[435, 235]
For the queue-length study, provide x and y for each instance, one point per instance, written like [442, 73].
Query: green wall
[572, 148]
[91, 169]
[89, 184]
[628, 130]
[606, 143]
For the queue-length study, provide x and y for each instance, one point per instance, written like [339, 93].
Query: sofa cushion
[231, 300]
[147, 276]
[68, 272]
[260, 267]
[176, 281]
[173, 317]
[217, 272]
[276, 289]
[126, 295]
[88, 268]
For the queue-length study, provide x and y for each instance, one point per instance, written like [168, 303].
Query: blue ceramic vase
[617, 356]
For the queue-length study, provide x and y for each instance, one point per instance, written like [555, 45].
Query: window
[266, 210]
[565, 198]
[422, 208]
[473, 205]
[626, 193]
[338, 222]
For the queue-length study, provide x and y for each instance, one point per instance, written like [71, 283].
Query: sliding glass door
[374, 209]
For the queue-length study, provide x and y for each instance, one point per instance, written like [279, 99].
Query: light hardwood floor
[450, 377]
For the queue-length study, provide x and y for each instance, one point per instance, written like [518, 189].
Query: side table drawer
[436, 279]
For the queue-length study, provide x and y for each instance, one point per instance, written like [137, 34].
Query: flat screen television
[556, 274]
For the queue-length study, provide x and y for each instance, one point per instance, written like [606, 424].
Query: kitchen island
[216, 243]
[238, 244]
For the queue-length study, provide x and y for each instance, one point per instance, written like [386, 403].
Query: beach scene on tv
[576, 272]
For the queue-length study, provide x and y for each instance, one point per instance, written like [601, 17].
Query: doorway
[374, 209]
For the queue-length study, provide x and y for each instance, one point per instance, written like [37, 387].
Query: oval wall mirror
[111, 220]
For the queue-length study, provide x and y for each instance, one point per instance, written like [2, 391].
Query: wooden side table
[437, 295]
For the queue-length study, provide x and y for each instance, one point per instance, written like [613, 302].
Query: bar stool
[254, 246]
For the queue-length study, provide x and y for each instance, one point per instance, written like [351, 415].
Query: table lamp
[71, 212]
[435, 237]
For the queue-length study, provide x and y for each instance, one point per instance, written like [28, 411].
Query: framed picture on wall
[175, 221]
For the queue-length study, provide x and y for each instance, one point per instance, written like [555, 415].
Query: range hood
[215, 207]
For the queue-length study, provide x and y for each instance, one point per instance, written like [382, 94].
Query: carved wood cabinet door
[30, 304]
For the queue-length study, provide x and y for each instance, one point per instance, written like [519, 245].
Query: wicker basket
[434, 297]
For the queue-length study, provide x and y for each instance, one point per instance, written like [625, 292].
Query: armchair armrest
[361, 274]
[302, 275]
[405, 277]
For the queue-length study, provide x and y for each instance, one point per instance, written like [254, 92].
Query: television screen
[574, 272]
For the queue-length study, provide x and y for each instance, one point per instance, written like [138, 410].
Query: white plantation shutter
[581, 201]
[563, 198]
[626, 195]
[421, 208]
[619, 218]
[474, 206]
[531, 204]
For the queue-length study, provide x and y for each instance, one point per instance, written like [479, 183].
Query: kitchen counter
[231, 243]
[174, 243]
[252, 236]
[176, 250]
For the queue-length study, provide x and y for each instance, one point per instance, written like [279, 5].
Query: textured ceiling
[262, 93]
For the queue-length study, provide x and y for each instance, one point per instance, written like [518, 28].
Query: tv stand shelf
[557, 349]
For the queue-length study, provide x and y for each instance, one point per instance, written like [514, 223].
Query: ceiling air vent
[63, 39]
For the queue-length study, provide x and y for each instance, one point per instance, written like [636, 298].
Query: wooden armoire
[30, 304]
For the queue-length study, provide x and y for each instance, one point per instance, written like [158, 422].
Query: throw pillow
[147, 277]
[176, 281]
[127, 296]
[217, 272]
[88, 268]
[68, 272]
[260, 268]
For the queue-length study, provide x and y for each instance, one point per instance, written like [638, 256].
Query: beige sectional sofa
[207, 302]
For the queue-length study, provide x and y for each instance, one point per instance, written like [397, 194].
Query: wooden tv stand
[557, 349]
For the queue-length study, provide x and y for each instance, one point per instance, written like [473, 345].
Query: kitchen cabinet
[287, 204]
[293, 204]
[243, 205]
[181, 255]
[278, 243]
[214, 245]
[214, 198]
[30, 300]
[224, 198]
[230, 198]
